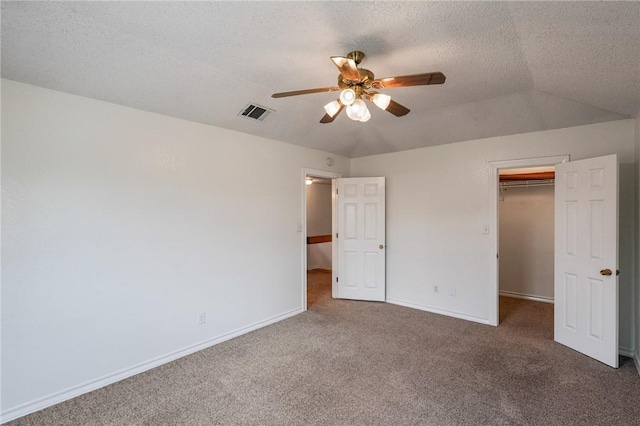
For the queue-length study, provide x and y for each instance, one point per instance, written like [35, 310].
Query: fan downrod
[356, 55]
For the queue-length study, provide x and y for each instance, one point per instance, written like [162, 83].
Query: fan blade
[410, 80]
[305, 92]
[328, 119]
[347, 67]
[397, 109]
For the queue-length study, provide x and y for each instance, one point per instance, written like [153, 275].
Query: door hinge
[336, 235]
[496, 255]
[336, 191]
[337, 279]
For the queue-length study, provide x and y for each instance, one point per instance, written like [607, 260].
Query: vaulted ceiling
[511, 67]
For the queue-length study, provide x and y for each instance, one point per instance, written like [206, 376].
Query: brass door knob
[606, 272]
[380, 246]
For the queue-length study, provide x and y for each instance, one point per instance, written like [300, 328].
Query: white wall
[318, 209]
[319, 256]
[438, 204]
[120, 226]
[526, 241]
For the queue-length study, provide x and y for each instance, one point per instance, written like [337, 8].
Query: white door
[586, 257]
[361, 239]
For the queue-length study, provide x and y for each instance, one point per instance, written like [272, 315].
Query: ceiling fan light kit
[355, 83]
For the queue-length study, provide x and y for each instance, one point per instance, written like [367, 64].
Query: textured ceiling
[511, 67]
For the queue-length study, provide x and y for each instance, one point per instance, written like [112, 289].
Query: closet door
[586, 257]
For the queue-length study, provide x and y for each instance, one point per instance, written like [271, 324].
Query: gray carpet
[359, 363]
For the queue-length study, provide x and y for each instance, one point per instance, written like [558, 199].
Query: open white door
[586, 257]
[361, 239]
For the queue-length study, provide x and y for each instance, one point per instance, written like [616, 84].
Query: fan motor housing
[365, 75]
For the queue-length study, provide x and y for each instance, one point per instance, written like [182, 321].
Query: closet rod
[527, 183]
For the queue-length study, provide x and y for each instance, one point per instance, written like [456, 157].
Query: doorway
[319, 239]
[493, 228]
[358, 258]
[526, 248]
[318, 227]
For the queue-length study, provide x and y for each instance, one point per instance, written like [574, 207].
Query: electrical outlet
[436, 289]
[202, 318]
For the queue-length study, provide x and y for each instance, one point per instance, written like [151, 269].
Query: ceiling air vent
[256, 112]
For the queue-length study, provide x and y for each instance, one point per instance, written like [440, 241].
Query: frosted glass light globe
[347, 96]
[332, 108]
[357, 110]
[382, 101]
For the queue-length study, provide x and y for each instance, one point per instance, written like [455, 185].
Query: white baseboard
[310, 268]
[625, 352]
[72, 392]
[439, 311]
[526, 296]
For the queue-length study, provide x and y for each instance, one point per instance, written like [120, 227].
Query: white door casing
[361, 238]
[586, 249]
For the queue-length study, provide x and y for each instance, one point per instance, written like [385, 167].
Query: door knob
[606, 272]
[380, 246]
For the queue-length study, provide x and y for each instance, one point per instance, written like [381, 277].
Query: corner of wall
[637, 246]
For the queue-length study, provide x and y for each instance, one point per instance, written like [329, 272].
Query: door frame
[306, 171]
[494, 188]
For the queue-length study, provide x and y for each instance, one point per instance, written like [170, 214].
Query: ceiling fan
[358, 83]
